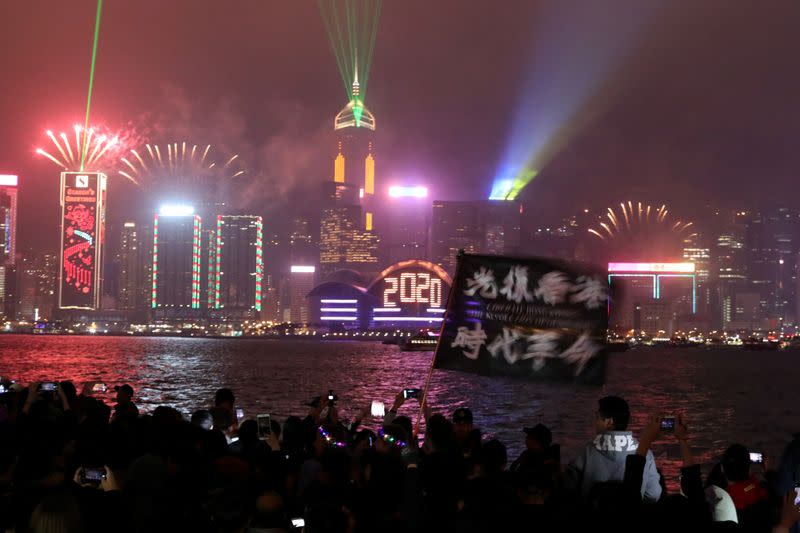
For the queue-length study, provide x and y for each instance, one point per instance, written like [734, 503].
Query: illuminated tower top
[355, 113]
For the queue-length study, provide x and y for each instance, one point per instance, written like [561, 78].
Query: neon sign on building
[83, 199]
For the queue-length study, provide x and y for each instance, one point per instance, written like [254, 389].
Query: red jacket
[746, 493]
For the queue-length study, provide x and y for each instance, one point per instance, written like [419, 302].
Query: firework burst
[177, 161]
[637, 220]
[96, 147]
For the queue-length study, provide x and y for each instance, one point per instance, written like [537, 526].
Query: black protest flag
[533, 317]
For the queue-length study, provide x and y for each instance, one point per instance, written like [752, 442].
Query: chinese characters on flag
[539, 318]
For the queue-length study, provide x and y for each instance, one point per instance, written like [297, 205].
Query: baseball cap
[462, 415]
[124, 388]
[541, 433]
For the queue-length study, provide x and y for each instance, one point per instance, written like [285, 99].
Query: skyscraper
[176, 262]
[239, 265]
[354, 162]
[730, 265]
[301, 282]
[131, 267]
[486, 226]
[8, 218]
[8, 241]
[344, 244]
[83, 214]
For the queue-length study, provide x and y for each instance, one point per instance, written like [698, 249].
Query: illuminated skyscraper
[176, 280]
[239, 265]
[301, 281]
[344, 244]
[8, 218]
[354, 161]
[83, 214]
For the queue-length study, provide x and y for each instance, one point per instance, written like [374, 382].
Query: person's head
[736, 463]
[270, 512]
[613, 414]
[124, 393]
[203, 419]
[222, 418]
[224, 398]
[364, 439]
[439, 434]
[405, 423]
[248, 431]
[492, 457]
[58, 512]
[538, 438]
[462, 423]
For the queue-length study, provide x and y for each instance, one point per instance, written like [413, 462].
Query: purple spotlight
[399, 191]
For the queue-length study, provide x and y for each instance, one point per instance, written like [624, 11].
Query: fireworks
[639, 221]
[176, 161]
[91, 146]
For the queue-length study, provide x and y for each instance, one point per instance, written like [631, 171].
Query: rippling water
[730, 395]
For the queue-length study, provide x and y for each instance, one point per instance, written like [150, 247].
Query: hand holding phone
[264, 422]
[99, 387]
[47, 386]
[667, 424]
[378, 409]
[92, 475]
[756, 457]
[239, 414]
[411, 393]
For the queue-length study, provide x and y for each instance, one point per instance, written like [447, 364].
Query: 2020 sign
[412, 288]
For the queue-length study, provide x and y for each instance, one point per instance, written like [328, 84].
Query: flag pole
[421, 413]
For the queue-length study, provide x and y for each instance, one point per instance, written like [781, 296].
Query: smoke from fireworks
[177, 161]
[96, 147]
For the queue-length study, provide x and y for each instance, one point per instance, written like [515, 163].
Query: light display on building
[83, 198]
[176, 272]
[238, 263]
[410, 291]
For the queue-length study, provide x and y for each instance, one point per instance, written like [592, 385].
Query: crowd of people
[69, 462]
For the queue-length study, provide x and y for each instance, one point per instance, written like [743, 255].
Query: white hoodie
[604, 460]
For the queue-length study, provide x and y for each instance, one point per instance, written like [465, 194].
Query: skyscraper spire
[355, 77]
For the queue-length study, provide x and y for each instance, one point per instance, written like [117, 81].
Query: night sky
[702, 107]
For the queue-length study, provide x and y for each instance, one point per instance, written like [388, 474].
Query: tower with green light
[354, 160]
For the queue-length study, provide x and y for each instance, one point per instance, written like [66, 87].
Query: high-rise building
[176, 273]
[83, 213]
[131, 267]
[486, 226]
[8, 218]
[301, 282]
[239, 265]
[344, 244]
[697, 251]
[772, 242]
[302, 249]
[354, 161]
[407, 223]
[729, 262]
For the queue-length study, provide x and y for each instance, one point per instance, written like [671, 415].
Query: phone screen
[47, 386]
[298, 522]
[668, 423]
[378, 409]
[93, 474]
[756, 457]
[99, 387]
[410, 393]
[239, 413]
[264, 425]
[797, 495]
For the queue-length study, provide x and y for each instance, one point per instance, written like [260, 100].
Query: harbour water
[729, 395]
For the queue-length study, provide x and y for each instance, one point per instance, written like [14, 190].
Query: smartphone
[668, 423]
[264, 426]
[332, 397]
[797, 493]
[239, 414]
[2, 389]
[411, 393]
[99, 387]
[47, 386]
[298, 522]
[756, 457]
[378, 409]
[92, 475]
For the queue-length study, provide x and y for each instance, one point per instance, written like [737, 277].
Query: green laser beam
[91, 81]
